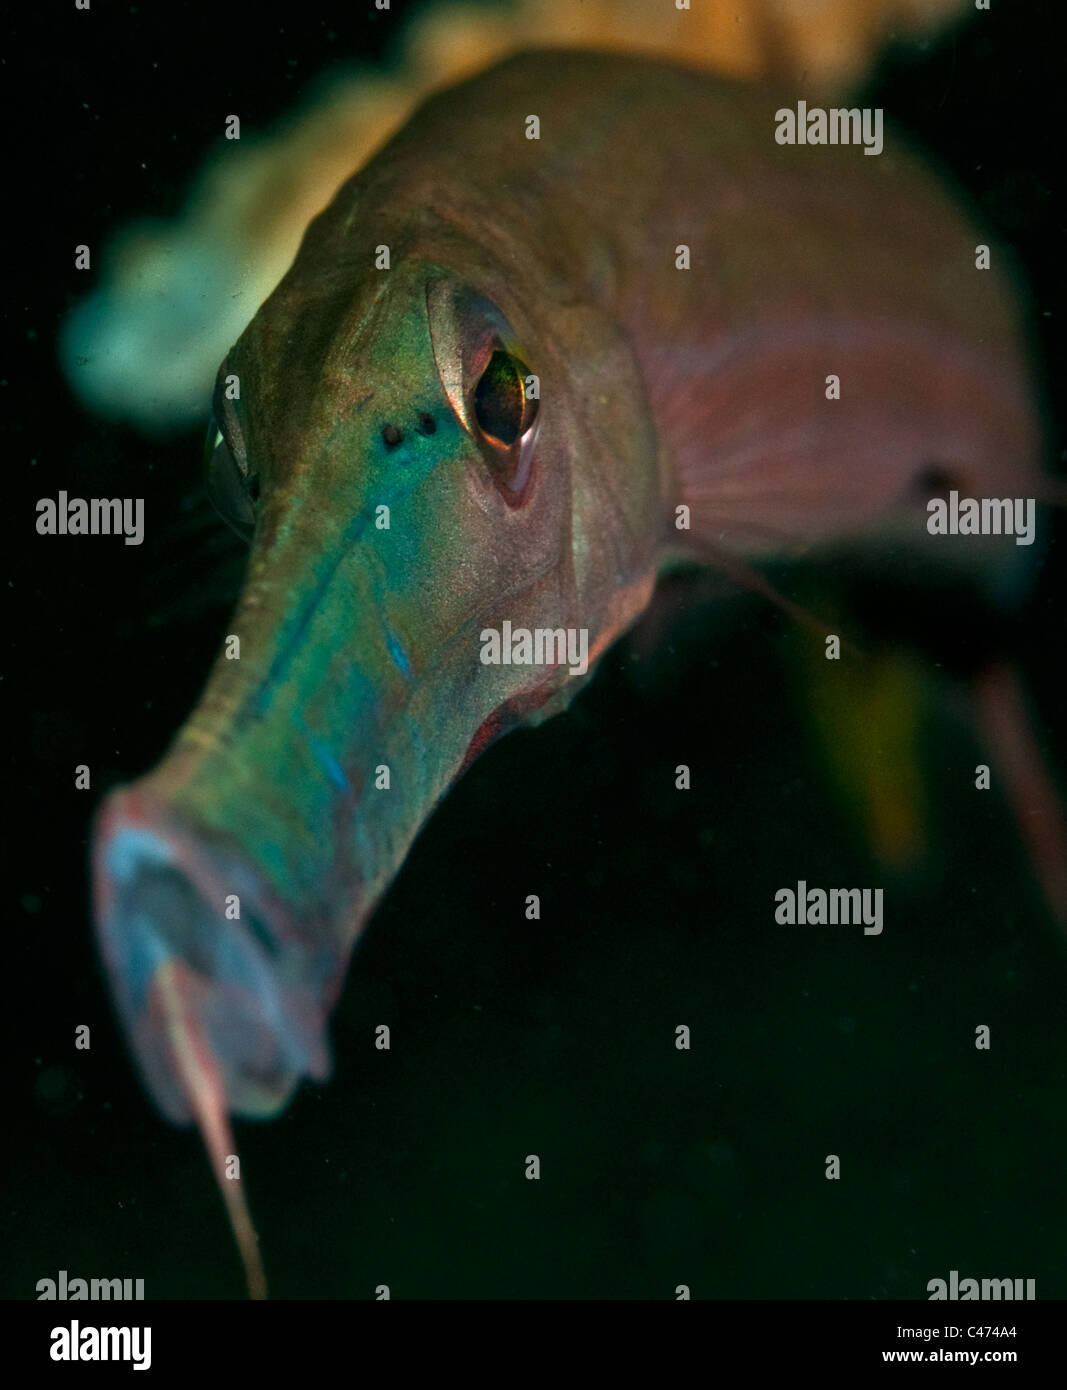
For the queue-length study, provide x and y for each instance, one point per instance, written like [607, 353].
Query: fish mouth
[202, 958]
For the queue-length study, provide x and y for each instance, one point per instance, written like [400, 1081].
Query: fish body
[522, 416]
[145, 344]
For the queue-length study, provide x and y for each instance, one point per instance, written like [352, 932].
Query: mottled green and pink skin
[360, 646]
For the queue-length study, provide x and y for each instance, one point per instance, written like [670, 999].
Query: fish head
[417, 458]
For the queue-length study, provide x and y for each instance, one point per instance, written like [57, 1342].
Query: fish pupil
[500, 404]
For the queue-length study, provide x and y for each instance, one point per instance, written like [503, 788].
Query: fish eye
[232, 492]
[494, 395]
[502, 408]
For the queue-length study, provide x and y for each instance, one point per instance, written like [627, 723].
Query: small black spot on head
[935, 480]
[391, 436]
[426, 424]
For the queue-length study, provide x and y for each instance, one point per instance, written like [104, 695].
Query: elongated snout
[202, 957]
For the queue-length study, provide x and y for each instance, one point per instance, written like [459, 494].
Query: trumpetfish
[574, 324]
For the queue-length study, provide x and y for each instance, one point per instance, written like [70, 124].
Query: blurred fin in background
[174, 296]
